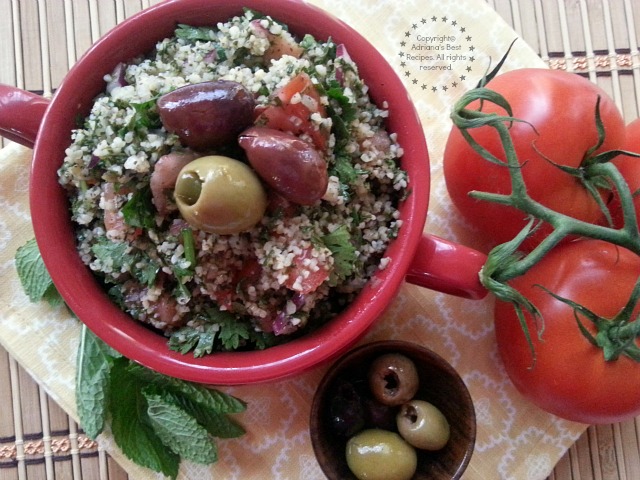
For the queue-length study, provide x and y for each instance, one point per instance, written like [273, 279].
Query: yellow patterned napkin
[440, 49]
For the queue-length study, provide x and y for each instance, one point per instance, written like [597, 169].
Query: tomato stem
[563, 225]
[615, 336]
[507, 261]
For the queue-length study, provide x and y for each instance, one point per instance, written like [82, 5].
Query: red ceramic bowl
[419, 258]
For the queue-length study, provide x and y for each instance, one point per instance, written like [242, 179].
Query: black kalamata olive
[207, 115]
[291, 166]
[378, 415]
[346, 410]
[393, 379]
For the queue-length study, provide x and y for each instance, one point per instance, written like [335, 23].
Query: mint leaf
[344, 253]
[129, 423]
[92, 382]
[217, 424]
[33, 274]
[178, 430]
[218, 401]
[52, 297]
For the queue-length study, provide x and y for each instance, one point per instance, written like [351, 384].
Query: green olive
[189, 188]
[376, 454]
[220, 195]
[423, 425]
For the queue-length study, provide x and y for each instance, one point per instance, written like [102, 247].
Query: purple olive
[346, 410]
[207, 115]
[291, 166]
[378, 415]
[393, 379]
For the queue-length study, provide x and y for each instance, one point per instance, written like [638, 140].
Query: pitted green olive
[189, 188]
[423, 425]
[377, 454]
[220, 195]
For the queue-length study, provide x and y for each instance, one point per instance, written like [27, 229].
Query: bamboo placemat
[42, 39]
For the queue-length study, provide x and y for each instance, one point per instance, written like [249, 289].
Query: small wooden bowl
[440, 384]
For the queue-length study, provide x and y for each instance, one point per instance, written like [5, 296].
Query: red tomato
[630, 169]
[246, 276]
[298, 100]
[561, 107]
[570, 377]
[309, 278]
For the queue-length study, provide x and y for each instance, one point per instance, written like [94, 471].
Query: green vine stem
[506, 261]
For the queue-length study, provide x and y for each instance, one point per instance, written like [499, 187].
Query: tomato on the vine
[630, 169]
[558, 113]
[570, 376]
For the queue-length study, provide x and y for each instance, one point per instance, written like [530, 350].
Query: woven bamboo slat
[42, 39]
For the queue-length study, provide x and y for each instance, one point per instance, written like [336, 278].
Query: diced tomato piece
[278, 205]
[301, 83]
[295, 116]
[224, 298]
[250, 271]
[282, 118]
[306, 279]
[247, 275]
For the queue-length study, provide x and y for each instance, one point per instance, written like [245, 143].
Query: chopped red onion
[341, 52]
[117, 77]
[258, 29]
[94, 161]
[211, 57]
[177, 225]
[298, 300]
[283, 324]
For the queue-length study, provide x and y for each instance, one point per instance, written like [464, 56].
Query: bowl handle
[21, 113]
[447, 267]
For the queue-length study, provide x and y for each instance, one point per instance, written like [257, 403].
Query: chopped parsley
[139, 211]
[146, 115]
[194, 34]
[218, 330]
[344, 252]
[116, 255]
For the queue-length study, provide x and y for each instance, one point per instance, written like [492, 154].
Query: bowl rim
[88, 300]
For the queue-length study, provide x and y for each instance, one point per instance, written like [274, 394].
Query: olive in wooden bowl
[355, 412]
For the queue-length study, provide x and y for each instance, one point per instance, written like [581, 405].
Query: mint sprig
[156, 420]
[94, 363]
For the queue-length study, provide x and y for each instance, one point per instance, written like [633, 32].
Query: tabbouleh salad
[299, 265]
